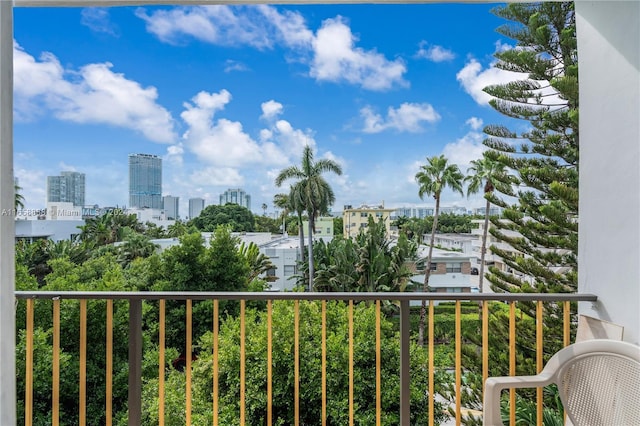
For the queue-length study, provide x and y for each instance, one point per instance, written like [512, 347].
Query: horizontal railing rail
[135, 343]
[223, 295]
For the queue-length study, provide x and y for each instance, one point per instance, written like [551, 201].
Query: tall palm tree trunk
[483, 248]
[310, 248]
[427, 274]
[301, 236]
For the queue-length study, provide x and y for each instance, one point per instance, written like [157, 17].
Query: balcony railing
[136, 300]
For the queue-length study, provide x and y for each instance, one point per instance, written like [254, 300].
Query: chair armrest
[494, 385]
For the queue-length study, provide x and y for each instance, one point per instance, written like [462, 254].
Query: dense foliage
[223, 266]
[543, 179]
[367, 263]
[543, 158]
[237, 217]
[310, 371]
[448, 223]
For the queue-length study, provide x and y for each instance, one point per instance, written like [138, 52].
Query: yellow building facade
[355, 219]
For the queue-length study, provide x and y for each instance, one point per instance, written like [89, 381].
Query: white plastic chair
[598, 381]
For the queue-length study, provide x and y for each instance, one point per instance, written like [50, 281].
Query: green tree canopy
[310, 372]
[239, 218]
[544, 157]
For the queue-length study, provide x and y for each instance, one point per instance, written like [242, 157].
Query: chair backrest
[599, 382]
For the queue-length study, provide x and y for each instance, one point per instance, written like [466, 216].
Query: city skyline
[229, 107]
[232, 195]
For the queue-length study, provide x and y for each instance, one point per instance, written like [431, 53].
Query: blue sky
[229, 96]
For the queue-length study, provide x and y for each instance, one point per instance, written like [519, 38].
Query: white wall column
[7, 226]
[609, 234]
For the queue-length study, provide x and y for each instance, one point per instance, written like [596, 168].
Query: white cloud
[33, 79]
[292, 141]
[98, 20]
[222, 142]
[475, 123]
[265, 134]
[94, 94]
[217, 176]
[434, 53]
[66, 167]
[330, 53]
[409, 117]
[174, 155]
[231, 65]
[501, 47]
[271, 109]
[464, 150]
[32, 181]
[290, 26]
[331, 156]
[474, 79]
[336, 59]
[212, 24]
[260, 27]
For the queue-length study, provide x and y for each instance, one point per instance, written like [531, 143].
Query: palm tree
[136, 245]
[296, 202]
[259, 263]
[264, 209]
[484, 172]
[282, 201]
[19, 198]
[434, 177]
[311, 191]
[176, 230]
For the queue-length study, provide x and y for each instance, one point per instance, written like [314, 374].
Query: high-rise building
[145, 181]
[196, 205]
[236, 196]
[69, 187]
[170, 206]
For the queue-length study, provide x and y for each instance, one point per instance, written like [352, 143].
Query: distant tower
[236, 196]
[170, 206]
[196, 205]
[145, 181]
[69, 187]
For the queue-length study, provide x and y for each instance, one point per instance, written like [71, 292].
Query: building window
[364, 214]
[271, 272]
[289, 270]
[454, 267]
[454, 289]
[434, 266]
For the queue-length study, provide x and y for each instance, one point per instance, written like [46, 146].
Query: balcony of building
[374, 390]
[609, 60]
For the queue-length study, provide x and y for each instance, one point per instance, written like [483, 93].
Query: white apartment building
[459, 242]
[491, 259]
[414, 212]
[450, 271]
[56, 230]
